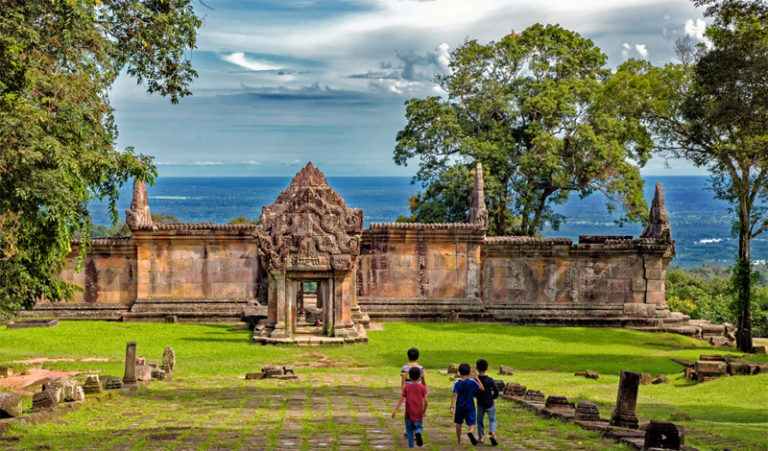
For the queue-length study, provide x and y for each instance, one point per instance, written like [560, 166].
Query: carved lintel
[341, 262]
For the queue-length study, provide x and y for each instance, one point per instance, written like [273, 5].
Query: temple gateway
[316, 275]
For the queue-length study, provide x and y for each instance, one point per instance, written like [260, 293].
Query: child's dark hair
[413, 354]
[414, 373]
[464, 369]
[482, 365]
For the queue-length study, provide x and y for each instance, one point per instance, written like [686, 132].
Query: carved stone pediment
[310, 227]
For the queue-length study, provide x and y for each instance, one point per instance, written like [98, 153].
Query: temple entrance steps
[186, 310]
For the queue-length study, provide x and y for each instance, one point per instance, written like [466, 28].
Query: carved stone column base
[624, 420]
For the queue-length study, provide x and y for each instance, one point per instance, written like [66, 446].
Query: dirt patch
[29, 381]
[47, 360]
[41, 360]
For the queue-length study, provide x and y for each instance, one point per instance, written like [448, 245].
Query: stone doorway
[312, 304]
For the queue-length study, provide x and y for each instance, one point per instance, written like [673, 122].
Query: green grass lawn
[544, 358]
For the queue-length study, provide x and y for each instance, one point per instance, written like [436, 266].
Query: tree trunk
[743, 283]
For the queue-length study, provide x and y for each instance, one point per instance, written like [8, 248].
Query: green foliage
[711, 109]
[533, 109]
[700, 294]
[243, 220]
[164, 219]
[58, 60]
[707, 292]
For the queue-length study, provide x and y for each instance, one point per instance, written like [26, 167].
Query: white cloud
[444, 55]
[695, 29]
[241, 60]
[642, 50]
[625, 49]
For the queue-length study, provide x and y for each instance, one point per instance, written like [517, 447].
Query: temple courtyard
[344, 395]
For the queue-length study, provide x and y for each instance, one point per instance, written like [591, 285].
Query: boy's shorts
[466, 415]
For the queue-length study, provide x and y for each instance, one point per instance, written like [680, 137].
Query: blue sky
[283, 82]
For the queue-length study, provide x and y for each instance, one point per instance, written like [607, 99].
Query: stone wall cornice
[420, 226]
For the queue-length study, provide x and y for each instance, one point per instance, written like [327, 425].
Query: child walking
[485, 404]
[413, 361]
[414, 395]
[463, 399]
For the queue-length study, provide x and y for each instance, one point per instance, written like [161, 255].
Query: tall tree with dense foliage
[58, 60]
[530, 107]
[713, 110]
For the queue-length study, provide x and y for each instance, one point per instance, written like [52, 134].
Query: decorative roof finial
[139, 217]
[658, 226]
[478, 213]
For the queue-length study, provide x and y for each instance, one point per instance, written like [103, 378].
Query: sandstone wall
[108, 273]
[196, 267]
[420, 261]
[444, 272]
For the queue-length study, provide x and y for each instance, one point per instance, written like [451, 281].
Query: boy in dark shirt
[415, 397]
[485, 404]
[464, 391]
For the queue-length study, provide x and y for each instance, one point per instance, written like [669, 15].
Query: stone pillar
[291, 297]
[326, 292]
[277, 311]
[342, 305]
[130, 363]
[626, 401]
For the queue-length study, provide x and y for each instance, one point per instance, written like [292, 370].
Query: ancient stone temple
[315, 271]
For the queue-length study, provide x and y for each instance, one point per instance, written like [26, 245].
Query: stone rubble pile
[711, 367]
[274, 372]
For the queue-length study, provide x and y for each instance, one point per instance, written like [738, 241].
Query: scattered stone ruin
[715, 366]
[203, 272]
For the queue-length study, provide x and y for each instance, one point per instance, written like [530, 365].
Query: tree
[713, 110]
[531, 108]
[58, 60]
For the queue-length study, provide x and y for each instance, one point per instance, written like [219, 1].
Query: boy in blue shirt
[463, 399]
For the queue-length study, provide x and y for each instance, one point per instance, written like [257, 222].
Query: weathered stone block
[144, 372]
[690, 373]
[6, 371]
[259, 375]
[503, 370]
[534, 395]
[557, 402]
[759, 349]
[645, 378]
[660, 379]
[738, 368]
[712, 357]
[663, 435]
[10, 405]
[44, 400]
[710, 368]
[64, 390]
[587, 411]
[92, 384]
[158, 374]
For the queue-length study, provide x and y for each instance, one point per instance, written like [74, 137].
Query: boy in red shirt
[415, 397]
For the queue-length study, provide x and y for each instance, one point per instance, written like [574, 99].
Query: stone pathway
[220, 414]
